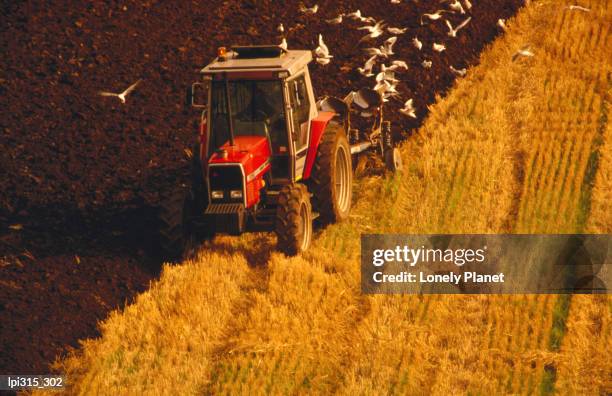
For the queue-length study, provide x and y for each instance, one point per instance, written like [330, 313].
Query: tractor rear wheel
[332, 176]
[293, 226]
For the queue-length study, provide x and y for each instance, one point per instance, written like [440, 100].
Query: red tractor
[269, 156]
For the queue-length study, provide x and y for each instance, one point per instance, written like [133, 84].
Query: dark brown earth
[80, 174]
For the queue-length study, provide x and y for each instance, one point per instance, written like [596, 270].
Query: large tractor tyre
[175, 224]
[293, 225]
[332, 176]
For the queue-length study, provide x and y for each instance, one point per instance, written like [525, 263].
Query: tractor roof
[260, 58]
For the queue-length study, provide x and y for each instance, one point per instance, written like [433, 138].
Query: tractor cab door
[300, 104]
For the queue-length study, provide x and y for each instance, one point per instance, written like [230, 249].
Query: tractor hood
[252, 152]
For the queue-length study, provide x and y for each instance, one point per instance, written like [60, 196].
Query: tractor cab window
[257, 109]
[300, 107]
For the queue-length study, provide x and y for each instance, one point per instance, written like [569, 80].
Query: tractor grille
[225, 178]
[224, 208]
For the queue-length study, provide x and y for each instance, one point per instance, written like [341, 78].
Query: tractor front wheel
[175, 225]
[293, 219]
[332, 176]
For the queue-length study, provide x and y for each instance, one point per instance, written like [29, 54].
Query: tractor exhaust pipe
[230, 118]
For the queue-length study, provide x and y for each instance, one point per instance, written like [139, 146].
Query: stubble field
[517, 147]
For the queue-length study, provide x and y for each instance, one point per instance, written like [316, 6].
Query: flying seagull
[468, 5]
[458, 72]
[435, 16]
[438, 47]
[376, 52]
[453, 32]
[309, 11]
[123, 94]
[356, 15]
[417, 43]
[525, 51]
[388, 45]
[427, 64]
[455, 6]
[335, 21]
[375, 31]
[322, 52]
[408, 109]
[367, 67]
[394, 30]
[280, 29]
[398, 64]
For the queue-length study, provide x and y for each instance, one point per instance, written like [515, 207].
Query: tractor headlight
[235, 194]
[217, 194]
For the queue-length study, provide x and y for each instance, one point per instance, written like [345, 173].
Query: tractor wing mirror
[197, 96]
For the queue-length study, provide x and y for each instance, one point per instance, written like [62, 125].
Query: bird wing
[370, 62]
[464, 23]
[131, 87]
[103, 93]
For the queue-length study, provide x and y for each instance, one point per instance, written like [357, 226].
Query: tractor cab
[260, 92]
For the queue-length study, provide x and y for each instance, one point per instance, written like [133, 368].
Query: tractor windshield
[256, 109]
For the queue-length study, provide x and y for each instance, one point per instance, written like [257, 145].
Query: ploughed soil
[81, 174]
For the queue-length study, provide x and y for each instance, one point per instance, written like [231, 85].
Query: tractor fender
[317, 127]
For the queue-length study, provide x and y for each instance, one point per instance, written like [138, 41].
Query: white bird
[455, 6]
[453, 32]
[427, 64]
[375, 31]
[438, 47]
[396, 1]
[280, 29]
[323, 61]
[386, 75]
[458, 72]
[382, 86]
[376, 52]
[367, 67]
[468, 5]
[283, 44]
[408, 109]
[394, 30]
[417, 43]
[435, 16]
[502, 24]
[525, 51]
[309, 11]
[579, 8]
[322, 52]
[122, 95]
[398, 64]
[356, 15]
[335, 21]
[390, 93]
[388, 45]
